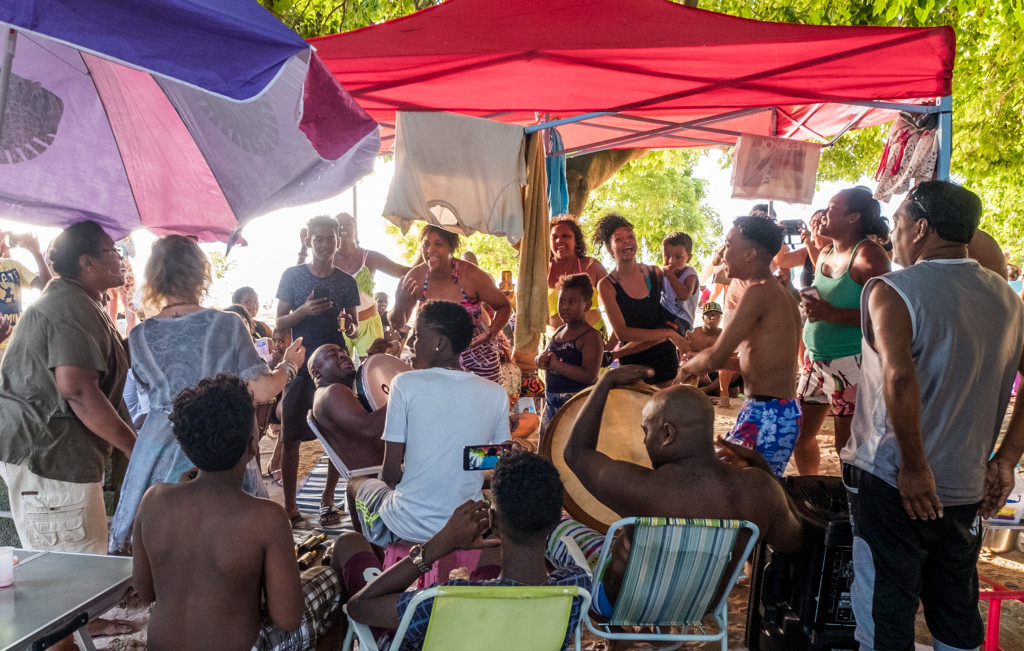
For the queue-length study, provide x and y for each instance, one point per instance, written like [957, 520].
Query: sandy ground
[1007, 569]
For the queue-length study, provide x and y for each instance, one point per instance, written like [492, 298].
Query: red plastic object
[995, 598]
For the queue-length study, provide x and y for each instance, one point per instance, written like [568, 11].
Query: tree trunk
[584, 173]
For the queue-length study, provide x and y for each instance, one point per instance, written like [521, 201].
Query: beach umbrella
[180, 116]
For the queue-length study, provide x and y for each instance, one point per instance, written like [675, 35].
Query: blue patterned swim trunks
[771, 427]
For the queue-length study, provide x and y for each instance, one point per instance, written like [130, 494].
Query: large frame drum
[621, 437]
[373, 381]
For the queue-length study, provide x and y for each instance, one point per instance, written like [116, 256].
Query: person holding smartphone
[317, 302]
[14, 276]
[830, 370]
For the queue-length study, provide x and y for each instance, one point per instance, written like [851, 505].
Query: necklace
[171, 306]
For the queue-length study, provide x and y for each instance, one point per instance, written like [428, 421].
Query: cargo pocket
[54, 519]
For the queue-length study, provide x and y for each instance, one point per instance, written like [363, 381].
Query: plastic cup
[6, 567]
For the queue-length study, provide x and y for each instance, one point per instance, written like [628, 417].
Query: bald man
[687, 480]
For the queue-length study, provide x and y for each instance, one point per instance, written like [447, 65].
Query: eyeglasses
[915, 200]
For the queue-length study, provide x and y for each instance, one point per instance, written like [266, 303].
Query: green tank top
[826, 340]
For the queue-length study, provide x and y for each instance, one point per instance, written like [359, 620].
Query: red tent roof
[648, 66]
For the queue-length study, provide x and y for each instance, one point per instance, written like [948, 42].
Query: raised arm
[268, 385]
[620, 485]
[31, 244]
[378, 261]
[892, 332]
[408, 292]
[81, 388]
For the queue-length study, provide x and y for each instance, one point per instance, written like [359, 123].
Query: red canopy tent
[640, 73]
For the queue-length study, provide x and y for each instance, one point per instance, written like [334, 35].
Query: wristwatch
[416, 554]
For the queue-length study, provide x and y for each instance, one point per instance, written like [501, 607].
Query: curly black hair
[450, 238]
[606, 226]
[580, 248]
[579, 282]
[528, 494]
[450, 319]
[213, 421]
[763, 233]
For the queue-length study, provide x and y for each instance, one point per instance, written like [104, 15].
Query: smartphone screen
[264, 347]
[482, 457]
[321, 292]
[812, 292]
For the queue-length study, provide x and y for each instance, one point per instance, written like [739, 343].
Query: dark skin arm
[999, 478]
[409, 290]
[618, 322]
[142, 572]
[869, 261]
[620, 485]
[343, 410]
[288, 318]
[593, 351]
[377, 603]
[892, 334]
[81, 388]
[394, 456]
[378, 261]
[719, 355]
[475, 280]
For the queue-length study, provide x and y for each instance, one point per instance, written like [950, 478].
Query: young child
[573, 356]
[206, 552]
[681, 289]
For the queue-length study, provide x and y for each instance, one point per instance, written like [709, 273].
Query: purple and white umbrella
[180, 116]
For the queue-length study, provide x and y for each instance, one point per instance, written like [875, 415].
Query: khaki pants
[53, 515]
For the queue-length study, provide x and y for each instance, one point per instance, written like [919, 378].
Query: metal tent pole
[945, 136]
[10, 38]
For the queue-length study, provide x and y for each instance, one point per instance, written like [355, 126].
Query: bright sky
[273, 241]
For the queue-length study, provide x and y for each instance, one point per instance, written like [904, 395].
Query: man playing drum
[687, 480]
[765, 331]
[351, 431]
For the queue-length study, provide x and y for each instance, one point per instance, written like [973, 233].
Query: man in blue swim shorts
[765, 332]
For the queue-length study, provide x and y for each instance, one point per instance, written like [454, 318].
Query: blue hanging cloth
[558, 190]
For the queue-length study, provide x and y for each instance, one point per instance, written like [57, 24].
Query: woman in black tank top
[631, 295]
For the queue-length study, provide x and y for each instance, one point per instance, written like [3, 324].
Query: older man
[935, 383]
[60, 380]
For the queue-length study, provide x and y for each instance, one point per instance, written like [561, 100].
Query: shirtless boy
[205, 551]
[351, 431]
[678, 425]
[765, 331]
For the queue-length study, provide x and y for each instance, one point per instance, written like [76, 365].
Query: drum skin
[621, 438]
[373, 381]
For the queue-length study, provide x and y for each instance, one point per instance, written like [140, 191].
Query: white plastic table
[56, 594]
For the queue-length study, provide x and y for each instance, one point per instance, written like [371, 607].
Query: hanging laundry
[461, 173]
[911, 154]
[558, 188]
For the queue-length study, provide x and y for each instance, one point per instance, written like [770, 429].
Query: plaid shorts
[321, 591]
[830, 381]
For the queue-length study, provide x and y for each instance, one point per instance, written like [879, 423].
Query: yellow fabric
[532, 284]
[369, 331]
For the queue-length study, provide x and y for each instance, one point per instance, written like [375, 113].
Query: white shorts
[53, 515]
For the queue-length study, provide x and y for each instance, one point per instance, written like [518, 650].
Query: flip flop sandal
[325, 512]
[275, 477]
[296, 520]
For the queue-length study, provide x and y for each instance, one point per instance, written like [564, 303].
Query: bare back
[211, 554]
[770, 319]
[352, 432]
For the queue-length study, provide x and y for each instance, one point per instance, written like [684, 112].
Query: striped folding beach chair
[679, 571]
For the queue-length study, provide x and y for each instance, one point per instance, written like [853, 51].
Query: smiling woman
[631, 295]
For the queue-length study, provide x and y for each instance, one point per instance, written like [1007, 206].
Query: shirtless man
[207, 553]
[678, 424]
[765, 331]
[704, 337]
[351, 431]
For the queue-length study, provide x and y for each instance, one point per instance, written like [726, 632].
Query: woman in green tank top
[831, 366]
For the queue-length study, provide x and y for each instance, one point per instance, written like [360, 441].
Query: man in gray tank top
[935, 384]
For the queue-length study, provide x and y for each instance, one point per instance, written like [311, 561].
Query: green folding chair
[470, 618]
[679, 571]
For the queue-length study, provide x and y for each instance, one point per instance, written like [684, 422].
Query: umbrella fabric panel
[174, 189]
[261, 161]
[233, 48]
[59, 161]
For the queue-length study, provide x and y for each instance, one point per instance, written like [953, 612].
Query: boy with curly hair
[218, 563]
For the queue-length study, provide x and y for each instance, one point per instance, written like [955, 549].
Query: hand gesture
[681, 341]
[544, 360]
[466, 529]
[741, 456]
[817, 309]
[628, 374]
[917, 490]
[998, 484]
[303, 233]
[296, 353]
[347, 325]
[379, 345]
[481, 338]
[26, 241]
[315, 306]
[409, 290]
[716, 259]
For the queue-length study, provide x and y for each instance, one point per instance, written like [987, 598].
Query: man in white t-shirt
[433, 412]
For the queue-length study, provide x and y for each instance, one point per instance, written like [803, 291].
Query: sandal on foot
[329, 513]
[275, 476]
[296, 519]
